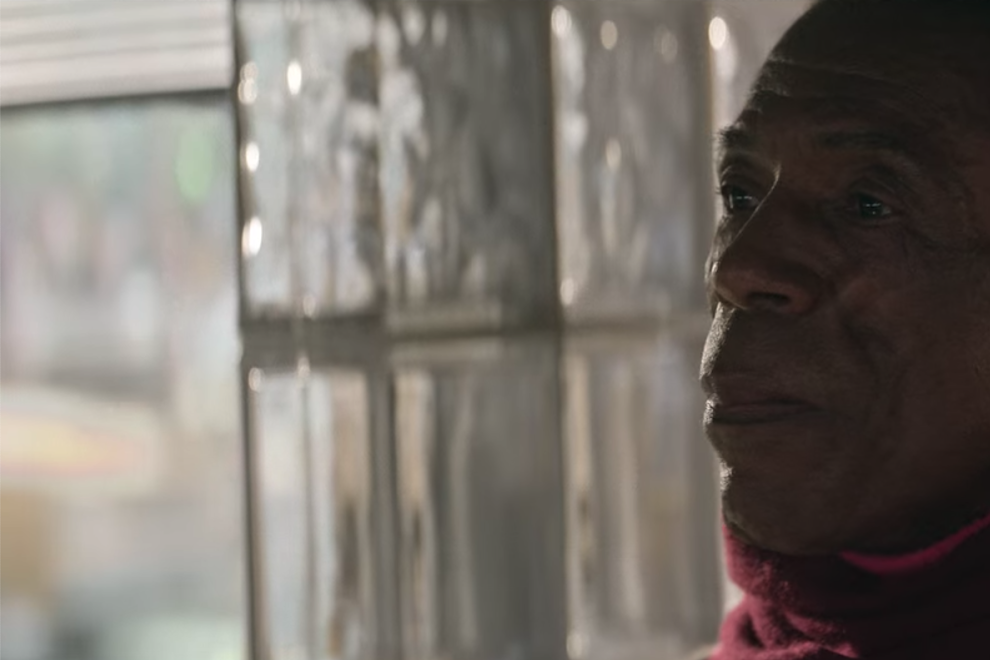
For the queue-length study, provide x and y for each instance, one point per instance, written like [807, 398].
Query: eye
[868, 207]
[736, 199]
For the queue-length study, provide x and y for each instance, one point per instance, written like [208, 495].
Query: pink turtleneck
[892, 565]
[932, 604]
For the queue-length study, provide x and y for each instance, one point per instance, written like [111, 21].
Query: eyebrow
[738, 138]
[734, 137]
[865, 140]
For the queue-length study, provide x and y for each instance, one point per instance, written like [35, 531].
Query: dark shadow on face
[848, 363]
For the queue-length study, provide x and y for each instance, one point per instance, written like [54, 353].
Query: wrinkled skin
[848, 363]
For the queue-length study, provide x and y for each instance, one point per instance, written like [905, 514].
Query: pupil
[737, 200]
[870, 207]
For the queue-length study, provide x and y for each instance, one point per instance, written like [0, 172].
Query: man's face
[848, 364]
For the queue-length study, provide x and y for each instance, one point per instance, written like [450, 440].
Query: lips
[758, 412]
[745, 400]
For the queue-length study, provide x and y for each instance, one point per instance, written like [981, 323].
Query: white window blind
[54, 50]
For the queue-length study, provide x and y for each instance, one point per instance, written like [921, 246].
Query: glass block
[642, 542]
[466, 171]
[741, 35]
[309, 142]
[312, 487]
[477, 439]
[632, 157]
[264, 151]
[341, 247]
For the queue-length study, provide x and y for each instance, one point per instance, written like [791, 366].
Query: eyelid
[879, 190]
[846, 209]
[743, 184]
[743, 160]
[726, 187]
[884, 181]
[745, 172]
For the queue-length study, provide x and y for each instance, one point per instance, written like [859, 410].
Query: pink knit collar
[900, 564]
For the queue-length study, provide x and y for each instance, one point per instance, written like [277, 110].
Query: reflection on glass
[312, 471]
[480, 503]
[396, 161]
[642, 556]
[309, 133]
[265, 151]
[120, 470]
[465, 163]
[631, 142]
[283, 498]
[741, 35]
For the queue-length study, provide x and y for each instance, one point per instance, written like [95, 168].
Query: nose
[766, 267]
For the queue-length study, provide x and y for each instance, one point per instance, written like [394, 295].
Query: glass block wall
[472, 241]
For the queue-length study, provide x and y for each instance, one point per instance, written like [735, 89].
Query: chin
[793, 486]
[787, 521]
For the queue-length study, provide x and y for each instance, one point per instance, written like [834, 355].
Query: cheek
[947, 387]
[886, 317]
[937, 423]
[879, 302]
[897, 340]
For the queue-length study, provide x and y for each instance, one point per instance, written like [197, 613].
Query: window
[374, 336]
[121, 454]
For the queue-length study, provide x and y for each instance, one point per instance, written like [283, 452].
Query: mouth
[751, 413]
[762, 423]
[747, 400]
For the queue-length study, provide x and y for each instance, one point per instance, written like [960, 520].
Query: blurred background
[361, 329]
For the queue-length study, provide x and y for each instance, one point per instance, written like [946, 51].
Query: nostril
[753, 280]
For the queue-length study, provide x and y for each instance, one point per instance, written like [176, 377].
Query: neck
[900, 564]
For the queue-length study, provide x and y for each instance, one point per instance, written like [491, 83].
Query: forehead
[917, 68]
[791, 90]
[812, 103]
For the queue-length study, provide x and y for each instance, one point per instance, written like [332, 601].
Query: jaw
[793, 512]
[777, 523]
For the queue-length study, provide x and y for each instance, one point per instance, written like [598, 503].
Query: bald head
[938, 51]
[848, 364]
